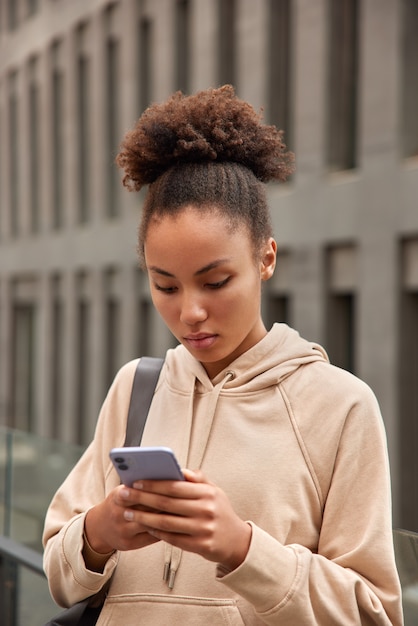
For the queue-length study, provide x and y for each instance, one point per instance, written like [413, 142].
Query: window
[57, 331]
[145, 67]
[112, 328]
[226, 44]
[144, 315]
[409, 121]
[14, 169]
[83, 125]
[83, 362]
[277, 301]
[12, 11]
[341, 266]
[2, 160]
[34, 147]
[183, 55]
[279, 65]
[277, 309]
[23, 369]
[32, 6]
[342, 88]
[112, 111]
[341, 330]
[24, 314]
[57, 139]
[408, 390]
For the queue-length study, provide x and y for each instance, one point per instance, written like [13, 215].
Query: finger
[160, 524]
[170, 487]
[126, 496]
[174, 488]
[184, 500]
[195, 476]
[162, 504]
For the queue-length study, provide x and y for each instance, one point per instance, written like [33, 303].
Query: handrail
[14, 555]
[31, 470]
[23, 555]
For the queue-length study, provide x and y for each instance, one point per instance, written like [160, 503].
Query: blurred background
[339, 76]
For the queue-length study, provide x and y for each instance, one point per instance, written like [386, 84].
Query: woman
[284, 516]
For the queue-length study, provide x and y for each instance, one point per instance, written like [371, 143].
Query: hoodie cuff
[266, 576]
[72, 547]
[95, 561]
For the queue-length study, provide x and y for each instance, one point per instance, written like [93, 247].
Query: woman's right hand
[106, 527]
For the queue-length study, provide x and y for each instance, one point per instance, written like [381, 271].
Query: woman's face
[206, 284]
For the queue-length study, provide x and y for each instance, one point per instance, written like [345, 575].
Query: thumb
[194, 476]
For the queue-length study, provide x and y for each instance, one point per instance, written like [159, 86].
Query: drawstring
[229, 375]
[172, 555]
[171, 565]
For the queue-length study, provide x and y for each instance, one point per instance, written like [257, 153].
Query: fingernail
[128, 515]
[138, 485]
[124, 493]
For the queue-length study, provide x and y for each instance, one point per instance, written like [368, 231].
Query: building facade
[340, 77]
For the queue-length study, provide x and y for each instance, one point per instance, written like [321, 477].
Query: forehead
[195, 233]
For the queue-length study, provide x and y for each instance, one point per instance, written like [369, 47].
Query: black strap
[145, 380]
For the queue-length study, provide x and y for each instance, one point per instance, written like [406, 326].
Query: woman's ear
[268, 259]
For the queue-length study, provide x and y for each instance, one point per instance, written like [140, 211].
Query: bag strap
[145, 379]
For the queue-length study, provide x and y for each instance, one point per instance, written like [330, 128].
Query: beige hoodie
[299, 447]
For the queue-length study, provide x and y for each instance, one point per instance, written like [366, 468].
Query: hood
[280, 353]
[270, 361]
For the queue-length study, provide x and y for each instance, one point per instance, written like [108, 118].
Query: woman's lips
[200, 341]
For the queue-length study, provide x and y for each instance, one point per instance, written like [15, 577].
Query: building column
[251, 51]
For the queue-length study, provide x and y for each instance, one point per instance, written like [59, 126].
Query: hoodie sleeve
[88, 483]
[352, 578]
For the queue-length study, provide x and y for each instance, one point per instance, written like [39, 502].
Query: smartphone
[142, 463]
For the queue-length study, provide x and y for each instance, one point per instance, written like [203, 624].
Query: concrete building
[339, 76]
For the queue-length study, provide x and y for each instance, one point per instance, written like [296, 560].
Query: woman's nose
[192, 311]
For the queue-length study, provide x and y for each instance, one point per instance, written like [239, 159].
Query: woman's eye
[165, 289]
[219, 284]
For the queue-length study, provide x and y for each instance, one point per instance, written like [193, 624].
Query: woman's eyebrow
[211, 266]
[158, 270]
[202, 270]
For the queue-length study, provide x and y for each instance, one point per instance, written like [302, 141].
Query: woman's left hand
[194, 515]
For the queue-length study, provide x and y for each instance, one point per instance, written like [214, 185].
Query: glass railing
[25, 600]
[406, 551]
[24, 594]
[31, 469]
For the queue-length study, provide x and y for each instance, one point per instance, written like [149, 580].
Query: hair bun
[211, 125]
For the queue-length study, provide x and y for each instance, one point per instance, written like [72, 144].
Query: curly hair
[210, 150]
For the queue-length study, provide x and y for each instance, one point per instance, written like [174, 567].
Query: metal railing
[406, 553]
[24, 594]
[31, 469]
[24, 604]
